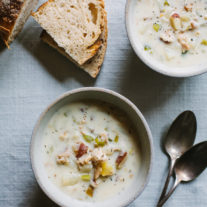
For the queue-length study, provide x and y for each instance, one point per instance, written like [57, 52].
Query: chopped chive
[100, 142]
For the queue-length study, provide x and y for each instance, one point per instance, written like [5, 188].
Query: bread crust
[92, 66]
[9, 11]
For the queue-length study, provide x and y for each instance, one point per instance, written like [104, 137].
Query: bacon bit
[188, 7]
[83, 149]
[175, 15]
[62, 159]
[121, 159]
[90, 191]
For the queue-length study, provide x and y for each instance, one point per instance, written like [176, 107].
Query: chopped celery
[116, 139]
[86, 177]
[156, 27]
[100, 142]
[204, 42]
[65, 114]
[88, 138]
[166, 3]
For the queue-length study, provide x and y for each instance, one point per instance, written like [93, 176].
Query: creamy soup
[90, 151]
[174, 32]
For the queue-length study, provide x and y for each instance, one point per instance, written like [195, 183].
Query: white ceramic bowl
[145, 57]
[140, 125]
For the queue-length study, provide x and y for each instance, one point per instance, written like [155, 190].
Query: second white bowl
[149, 61]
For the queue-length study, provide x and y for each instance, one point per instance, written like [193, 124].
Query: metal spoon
[179, 139]
[190, 165]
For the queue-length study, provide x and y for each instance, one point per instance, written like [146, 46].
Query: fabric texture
[33, 74]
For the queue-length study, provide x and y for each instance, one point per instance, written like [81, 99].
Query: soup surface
[90, 151]
[174, 32]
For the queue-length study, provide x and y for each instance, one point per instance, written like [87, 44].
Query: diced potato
[70, 179]
[169, 54]
[107, 170]
[175, 21]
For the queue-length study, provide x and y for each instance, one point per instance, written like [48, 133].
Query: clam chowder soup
[174, 32]
[90, 151]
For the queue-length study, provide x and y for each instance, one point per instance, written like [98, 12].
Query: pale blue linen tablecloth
[33, 74]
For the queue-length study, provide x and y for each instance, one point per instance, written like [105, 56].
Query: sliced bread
[13, 15]
[75, 25]
[92, 66]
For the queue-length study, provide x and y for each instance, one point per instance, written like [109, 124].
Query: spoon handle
[161, 203]
[172, 163]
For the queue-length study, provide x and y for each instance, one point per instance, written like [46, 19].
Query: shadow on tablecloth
[2, 46]
[52, 61]
[37, 199]
[145, 87]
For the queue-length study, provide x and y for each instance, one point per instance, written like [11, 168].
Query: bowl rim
[103, 90]
[200, 70]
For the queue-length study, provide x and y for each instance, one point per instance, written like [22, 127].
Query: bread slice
[75, 25]
[13, 15]
[92, 66]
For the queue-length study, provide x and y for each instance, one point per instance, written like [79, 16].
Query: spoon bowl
[190, 165]
[181, 134]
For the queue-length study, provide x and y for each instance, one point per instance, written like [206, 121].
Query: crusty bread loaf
[92, 66]
[13, 15]
[75, 25]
